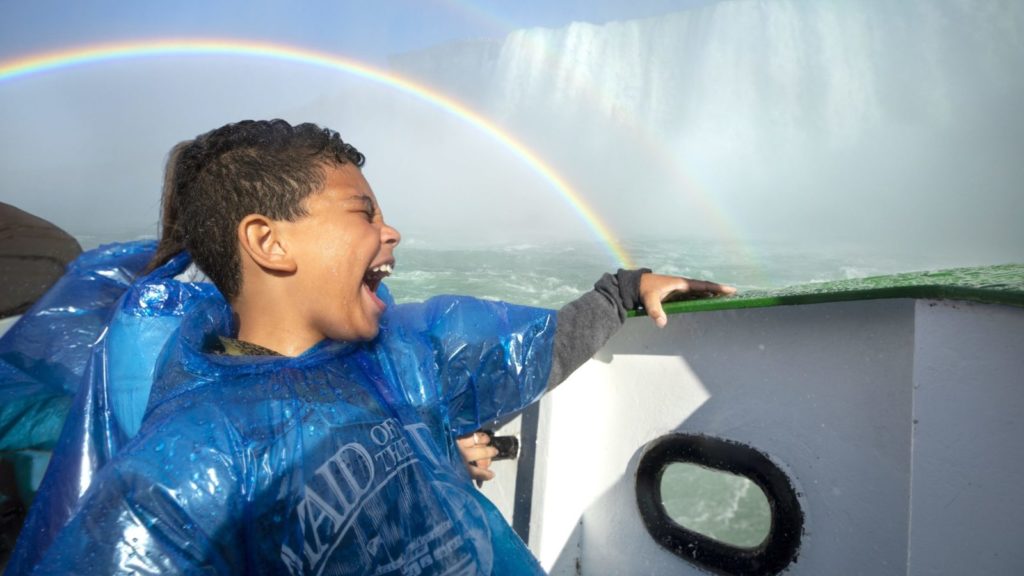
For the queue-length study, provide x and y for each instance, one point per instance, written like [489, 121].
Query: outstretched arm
[585, 324]
[497, 358]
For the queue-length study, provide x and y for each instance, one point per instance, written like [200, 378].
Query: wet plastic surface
[339, 461]
[113, 384]
[43, 356]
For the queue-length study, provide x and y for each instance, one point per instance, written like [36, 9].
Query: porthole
[719, 504]
[722, 506]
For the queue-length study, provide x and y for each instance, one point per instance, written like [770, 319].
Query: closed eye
[371, 214]
[367, 207]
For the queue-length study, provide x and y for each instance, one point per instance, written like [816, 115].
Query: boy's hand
[477, 453]
[656, 288]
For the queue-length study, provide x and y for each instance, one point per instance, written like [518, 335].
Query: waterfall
[900, 122]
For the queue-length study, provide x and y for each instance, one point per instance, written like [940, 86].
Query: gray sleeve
[585, 324]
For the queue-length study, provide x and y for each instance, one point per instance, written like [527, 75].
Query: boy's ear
[261, 240]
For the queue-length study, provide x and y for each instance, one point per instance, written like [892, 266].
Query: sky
[888, 126]
[367, 30]
[84, 141]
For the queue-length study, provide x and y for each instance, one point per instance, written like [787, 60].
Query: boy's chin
[370, 334]
[361, 334]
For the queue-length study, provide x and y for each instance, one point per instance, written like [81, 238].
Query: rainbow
[98, 53]
[585, 88]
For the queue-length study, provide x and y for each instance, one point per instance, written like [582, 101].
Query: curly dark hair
[249, 167]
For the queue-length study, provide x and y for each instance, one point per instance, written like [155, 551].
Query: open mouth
[375, 275]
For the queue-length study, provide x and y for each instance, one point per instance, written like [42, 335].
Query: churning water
[550, 274]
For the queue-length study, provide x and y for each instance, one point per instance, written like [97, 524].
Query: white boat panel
[966, 496]
[830, 392]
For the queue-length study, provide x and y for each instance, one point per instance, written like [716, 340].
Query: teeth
[383, 268]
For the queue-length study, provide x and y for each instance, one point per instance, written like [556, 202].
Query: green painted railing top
[990, 284]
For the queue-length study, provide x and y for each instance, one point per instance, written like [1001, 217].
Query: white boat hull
[897, 422]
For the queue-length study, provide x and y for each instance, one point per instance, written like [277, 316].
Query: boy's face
[343, 249]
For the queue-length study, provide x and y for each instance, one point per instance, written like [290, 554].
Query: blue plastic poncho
[44, 354]
[114, 386]
[340, 461]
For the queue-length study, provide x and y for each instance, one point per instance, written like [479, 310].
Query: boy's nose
[390, 235]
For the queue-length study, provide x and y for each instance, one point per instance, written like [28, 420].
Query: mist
[881, 127]
[895, 126]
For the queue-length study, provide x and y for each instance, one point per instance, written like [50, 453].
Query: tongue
[376, 300]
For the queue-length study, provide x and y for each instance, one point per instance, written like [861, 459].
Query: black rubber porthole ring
[779, 549]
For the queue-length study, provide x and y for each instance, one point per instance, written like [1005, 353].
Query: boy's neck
[235, 347]
[275, 326]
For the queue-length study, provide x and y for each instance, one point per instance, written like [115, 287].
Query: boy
[309, 427]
